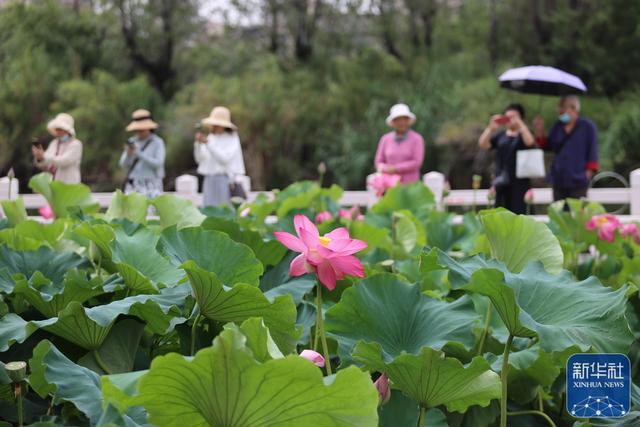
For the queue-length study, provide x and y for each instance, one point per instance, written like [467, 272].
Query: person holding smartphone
[63, 156]
[143, 157]
[506, 134]
[219, 158]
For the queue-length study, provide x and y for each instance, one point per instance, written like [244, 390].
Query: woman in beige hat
[143, 156]
[219, 157]
[63, 155]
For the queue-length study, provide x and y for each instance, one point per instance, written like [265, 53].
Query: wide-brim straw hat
[220, 116]
[141, 120]
[400, 110]
[62, 121]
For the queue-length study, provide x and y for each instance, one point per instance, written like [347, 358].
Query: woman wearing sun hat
[63, 155]
[400, 151]
[143, 156]
[219, 157]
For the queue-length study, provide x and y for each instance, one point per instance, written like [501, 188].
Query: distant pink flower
[381, 182]
[46, 212]
[528, 196]
[631, 230]
[384, 392]
[360, 217]
[350, 214]
[344, 213]
[313, 356]
[244, 212]
[330, 256]
[607, 232]
[323, 216]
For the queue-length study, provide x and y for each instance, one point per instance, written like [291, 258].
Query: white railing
[187, 187]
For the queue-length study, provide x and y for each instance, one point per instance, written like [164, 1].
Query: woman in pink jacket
[401, 151]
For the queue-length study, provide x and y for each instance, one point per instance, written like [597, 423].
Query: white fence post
[4, 188]
[435, 182]
[634, 179]
[186, 185]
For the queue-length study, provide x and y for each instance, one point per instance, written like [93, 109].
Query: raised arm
[155, 157]
[71, 155]
[484, 142]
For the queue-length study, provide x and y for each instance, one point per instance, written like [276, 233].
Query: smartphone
[502, 120]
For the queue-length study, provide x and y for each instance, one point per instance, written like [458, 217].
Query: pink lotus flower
[46, 212]
[344, 213]
[605, 224]
[323, 216]
[381, 182]
[244, 212]
[350, 214]
[528, 196]
[313, 356]
[384, 391]
[330, 256]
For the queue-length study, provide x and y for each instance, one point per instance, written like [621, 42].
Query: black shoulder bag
[133, 165]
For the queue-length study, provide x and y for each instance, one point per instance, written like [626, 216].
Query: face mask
[564, 118]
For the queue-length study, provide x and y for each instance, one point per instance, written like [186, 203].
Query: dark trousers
[512, 196]
[561, 193]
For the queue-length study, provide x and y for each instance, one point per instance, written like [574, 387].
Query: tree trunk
[306, 14]
[493, 35]
[386, 14]
[274, 11]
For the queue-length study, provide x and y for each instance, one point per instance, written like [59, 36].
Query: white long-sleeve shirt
[221, 154]
[63, 162]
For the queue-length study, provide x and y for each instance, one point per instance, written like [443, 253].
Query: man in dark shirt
[574, 140]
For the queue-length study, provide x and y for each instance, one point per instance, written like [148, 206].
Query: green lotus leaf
[517, 240]
[52, 372]
[433, 380]
[304, 195]
[141, 266]
[50, 298]
[408, 232]
[393, 317]
[52, 265]
[130, 206]
[460, 271]
[117, 352]
[174, 210]
[401, 410]
[102, 235]
[277, 281]
[560, 311]
[241, 302]
[241, 391]
[269, 252]
[416, 198]
[49, 234]
[88, 327]
[213, 251]
[258, 339]
[62, 196]
[14, 211]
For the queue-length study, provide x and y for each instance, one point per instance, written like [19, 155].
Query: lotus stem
[485, 330]
[540, 401]
[504, 379]
[194, 329]
[320, 326]
[423, 412]
[18, 393]
[316, 333]
[532, 412]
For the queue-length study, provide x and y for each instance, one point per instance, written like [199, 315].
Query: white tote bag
[530, 163]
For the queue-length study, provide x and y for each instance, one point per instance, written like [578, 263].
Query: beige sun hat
[400, 110]
[220, 116]
[141, 120]
[62, 121]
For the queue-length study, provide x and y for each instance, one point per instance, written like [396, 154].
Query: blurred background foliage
[307, 80]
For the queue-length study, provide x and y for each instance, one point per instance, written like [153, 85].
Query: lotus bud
[17, 371]
[323, 216]
[322, 168]
[476, 180]
[528, 196]
[313, 356]
[491, 194]
[11, 174]
[384, 391]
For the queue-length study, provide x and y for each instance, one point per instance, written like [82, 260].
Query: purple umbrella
[542, 80]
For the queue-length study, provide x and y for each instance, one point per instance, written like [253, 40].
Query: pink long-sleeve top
[405, 154]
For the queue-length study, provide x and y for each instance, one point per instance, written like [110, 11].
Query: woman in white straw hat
[63, 155]
[401, 151]
[143, 156]
[219, 157]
